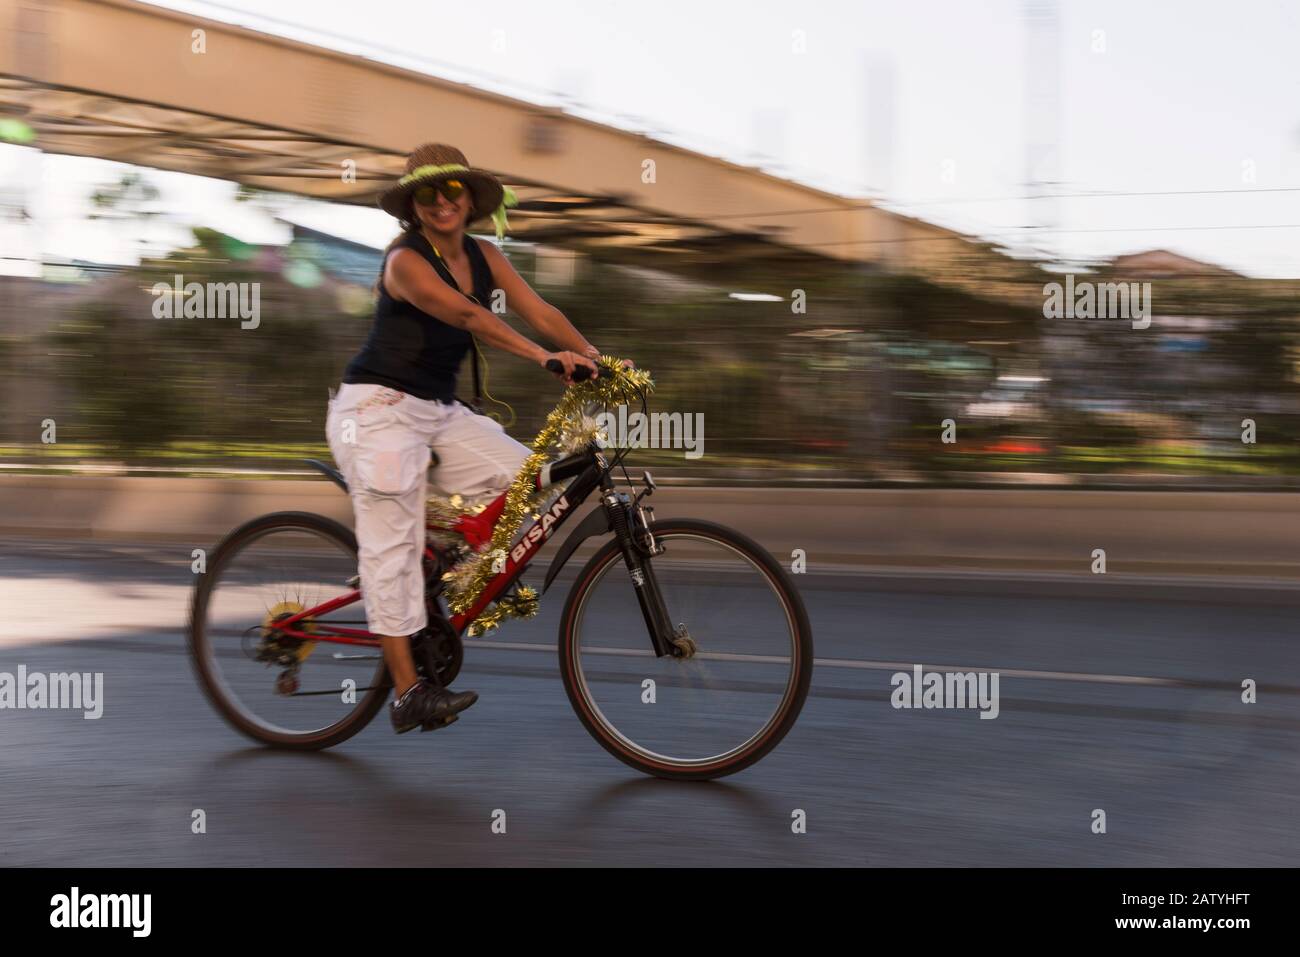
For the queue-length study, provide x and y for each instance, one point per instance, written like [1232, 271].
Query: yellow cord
[490, 396]
[483, 355]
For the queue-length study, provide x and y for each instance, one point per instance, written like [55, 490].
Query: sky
[1176, 122]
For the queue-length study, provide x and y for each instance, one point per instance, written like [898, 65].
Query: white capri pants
[380, 438]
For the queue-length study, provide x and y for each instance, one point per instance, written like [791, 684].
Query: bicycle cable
[622, 453]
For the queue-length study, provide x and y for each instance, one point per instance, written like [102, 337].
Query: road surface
[1126, 700]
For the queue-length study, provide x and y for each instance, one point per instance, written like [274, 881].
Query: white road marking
[859, 665]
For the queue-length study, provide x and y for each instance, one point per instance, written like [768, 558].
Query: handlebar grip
[580, 373]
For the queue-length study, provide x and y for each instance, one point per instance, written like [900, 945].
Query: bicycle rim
[720, 708]
[277, 690]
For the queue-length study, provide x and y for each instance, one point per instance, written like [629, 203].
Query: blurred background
[832, 229]
[827, 258]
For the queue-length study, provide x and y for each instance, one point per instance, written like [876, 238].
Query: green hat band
[508, 197]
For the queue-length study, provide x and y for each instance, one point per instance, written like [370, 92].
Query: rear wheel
[745, 666]
[289, 693]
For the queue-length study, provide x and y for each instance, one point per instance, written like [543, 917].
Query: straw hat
[435, 162]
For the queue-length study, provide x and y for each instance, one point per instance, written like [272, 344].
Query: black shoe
[428, 708]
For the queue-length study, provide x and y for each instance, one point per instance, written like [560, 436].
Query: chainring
[438, 649]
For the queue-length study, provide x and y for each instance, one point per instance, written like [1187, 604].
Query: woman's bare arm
[548, 321]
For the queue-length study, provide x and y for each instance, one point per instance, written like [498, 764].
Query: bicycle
[697, 699]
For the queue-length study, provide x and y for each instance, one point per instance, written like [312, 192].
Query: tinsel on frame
[568, 428]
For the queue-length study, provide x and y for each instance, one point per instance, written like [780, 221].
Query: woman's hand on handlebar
[562, 365]
[593, 353]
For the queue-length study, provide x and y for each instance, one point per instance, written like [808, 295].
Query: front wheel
[746, 665]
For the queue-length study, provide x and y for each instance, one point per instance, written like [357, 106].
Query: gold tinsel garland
[567, 429]
[521, 603]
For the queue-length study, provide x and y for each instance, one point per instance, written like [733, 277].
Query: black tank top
[410, 350]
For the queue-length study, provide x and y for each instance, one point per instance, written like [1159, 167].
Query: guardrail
[1217, 533]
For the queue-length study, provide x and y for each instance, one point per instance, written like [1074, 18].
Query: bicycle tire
[791, 705]
[366, 708]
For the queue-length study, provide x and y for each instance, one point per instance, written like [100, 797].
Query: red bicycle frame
[477, 530]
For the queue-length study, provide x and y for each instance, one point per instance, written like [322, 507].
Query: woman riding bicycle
[397, 398]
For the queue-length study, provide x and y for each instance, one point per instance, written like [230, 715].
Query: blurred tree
[854, 388]
[132, 199]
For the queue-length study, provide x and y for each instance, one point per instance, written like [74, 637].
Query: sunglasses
[452, 189]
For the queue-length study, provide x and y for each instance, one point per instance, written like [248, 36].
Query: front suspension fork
[630, 527]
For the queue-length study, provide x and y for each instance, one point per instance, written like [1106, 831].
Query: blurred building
[1163, 264]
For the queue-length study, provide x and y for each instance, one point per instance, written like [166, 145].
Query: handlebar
[580, 373]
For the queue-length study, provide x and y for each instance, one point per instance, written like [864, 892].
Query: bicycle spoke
[696, 710]
[283, 684]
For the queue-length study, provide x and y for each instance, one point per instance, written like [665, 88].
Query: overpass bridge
[120, 80]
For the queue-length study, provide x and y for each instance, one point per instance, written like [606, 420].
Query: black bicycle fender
[596, 523]
[329, 472]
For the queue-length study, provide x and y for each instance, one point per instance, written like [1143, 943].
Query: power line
[854, 206]
[1011, 231]
[1101, 194]
[1157, 229]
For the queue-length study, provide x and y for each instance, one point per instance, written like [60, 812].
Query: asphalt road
[1125, 699]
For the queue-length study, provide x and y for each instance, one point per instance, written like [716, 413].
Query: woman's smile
[445, 217]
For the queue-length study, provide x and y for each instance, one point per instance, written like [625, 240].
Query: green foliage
[855, 388]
